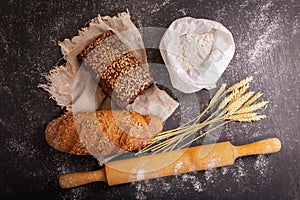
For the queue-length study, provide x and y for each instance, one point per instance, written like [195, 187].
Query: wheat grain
[241, 91]
[248, 117]
[252, 108]
[254, 98]
[238, 103]
[227, 99]
[237, 93]
[240, 84]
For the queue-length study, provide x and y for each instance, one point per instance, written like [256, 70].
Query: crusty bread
[101, 132]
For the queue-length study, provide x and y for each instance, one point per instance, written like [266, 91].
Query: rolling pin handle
[266, 146]
[81, 178]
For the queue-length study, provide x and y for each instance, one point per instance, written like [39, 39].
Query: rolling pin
[170, 163]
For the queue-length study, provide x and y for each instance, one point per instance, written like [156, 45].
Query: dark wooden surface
[267, 37]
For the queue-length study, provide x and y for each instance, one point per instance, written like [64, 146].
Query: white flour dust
[157, 7]
[140, 174]
[144, 188]
[239, 173]
[265, 30]
[213, 163]
[261, 165]
[178, 167]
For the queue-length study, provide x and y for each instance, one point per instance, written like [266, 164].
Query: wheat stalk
[236, 106]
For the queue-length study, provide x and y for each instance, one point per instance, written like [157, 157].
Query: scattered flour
[157, 7]
[178, 167]
[202, 181]
[182, 11]
[296, 25]
[224, 170]
[198, 184]
[239, 172]
[145, 188]
[21, 148]
[269, 29]
[140, 174]
[214, 163]
[262, 165]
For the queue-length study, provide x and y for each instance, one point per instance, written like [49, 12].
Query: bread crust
[101, 132]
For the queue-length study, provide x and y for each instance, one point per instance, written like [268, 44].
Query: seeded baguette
[119, 73]
[101, 132]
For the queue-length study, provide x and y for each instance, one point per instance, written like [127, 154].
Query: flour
[296, 25]
[224, 170]
[21, 148]
[199, 185]
[265, 42]
[213, 163]
[264, 33]
[140, 174]
[178, 166]
[239, 172]
[204, 180]
[196, 53]
[144, 188]
[157, 7]
[261, 165]
[195, 48]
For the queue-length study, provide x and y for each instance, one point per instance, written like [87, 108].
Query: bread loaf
[101, 132]
[119, 73]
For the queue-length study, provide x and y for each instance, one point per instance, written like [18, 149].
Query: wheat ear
[252, 108]
[240, 84]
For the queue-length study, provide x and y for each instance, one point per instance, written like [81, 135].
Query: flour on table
[240, 171]
[264, 32]
[198, 184]
[261, 165]
[204, 180]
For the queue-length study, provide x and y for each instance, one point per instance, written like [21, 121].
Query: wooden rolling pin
[170, 163]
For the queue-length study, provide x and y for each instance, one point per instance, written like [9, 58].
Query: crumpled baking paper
[204, 76]
[155, 102]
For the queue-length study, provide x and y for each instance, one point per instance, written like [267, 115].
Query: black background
[267, 47]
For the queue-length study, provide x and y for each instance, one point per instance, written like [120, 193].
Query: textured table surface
[267, 36]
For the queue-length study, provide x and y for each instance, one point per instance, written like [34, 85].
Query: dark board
[267, 36]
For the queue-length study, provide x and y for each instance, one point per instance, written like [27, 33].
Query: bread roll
[101, 132]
